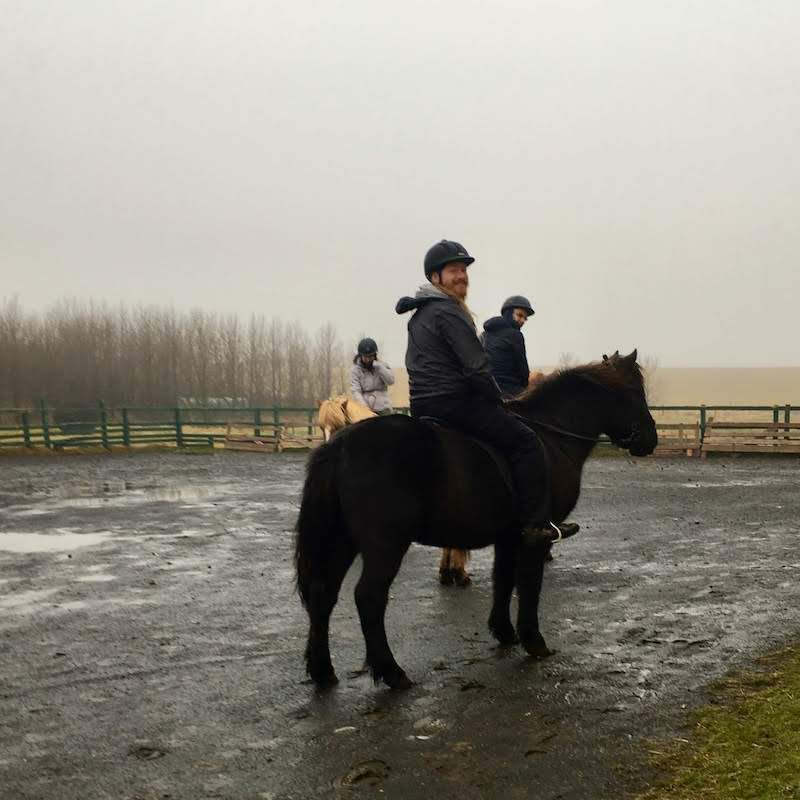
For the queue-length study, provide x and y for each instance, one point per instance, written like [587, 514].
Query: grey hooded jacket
[444, 356]
[370, 386]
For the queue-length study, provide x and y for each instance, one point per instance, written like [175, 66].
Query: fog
[632, 167]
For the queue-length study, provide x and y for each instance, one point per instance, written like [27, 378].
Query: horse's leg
[445, 572]
[381, 563]
[458, 560]
[530, 570]
[503, 575]
[323, 599]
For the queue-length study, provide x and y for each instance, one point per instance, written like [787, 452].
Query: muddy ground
[151, 643]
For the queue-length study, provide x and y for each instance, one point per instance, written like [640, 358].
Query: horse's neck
[578, 414]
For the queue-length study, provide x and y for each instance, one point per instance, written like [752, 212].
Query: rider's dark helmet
[517, 301]
[444, 253]
[367, 347]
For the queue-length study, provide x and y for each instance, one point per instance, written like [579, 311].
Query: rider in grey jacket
[370, 378]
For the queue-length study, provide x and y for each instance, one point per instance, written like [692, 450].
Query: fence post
[310, 425]
[702, 423]
[126, 428]
[257, 422]
[45, 424]
[26, 429]
[276, 422]
[103, 424]
[787, 414]
[178, 428]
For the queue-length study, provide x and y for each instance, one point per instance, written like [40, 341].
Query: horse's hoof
[401, 684]
[538, 649]
[462, 579]
[505, 635]
[398, 681]
[446, 577]
[325, 681]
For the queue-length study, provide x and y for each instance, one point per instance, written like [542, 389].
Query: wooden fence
[681, 428]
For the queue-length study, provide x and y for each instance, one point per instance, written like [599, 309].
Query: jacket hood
[497, 324]
[425, 294]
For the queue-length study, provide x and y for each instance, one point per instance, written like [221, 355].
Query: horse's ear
[630, 359]
[634, 356]
[319, 403]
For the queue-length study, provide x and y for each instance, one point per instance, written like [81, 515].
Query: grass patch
[745, 744]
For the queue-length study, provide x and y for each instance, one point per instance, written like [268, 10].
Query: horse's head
[629, 424]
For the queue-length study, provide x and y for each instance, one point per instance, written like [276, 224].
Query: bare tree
[75, 354]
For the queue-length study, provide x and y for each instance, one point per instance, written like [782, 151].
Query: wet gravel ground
[151, 643]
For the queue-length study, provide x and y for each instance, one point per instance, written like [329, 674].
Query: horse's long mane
[336, 412]
[331, 413]
[575, 380]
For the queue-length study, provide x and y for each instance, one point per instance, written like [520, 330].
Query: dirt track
[150, 640]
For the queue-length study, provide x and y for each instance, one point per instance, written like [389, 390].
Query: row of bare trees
[76, 353]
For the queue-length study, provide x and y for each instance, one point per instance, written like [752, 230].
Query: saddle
[499, 459]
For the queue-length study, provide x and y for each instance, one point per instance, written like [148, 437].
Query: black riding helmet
[367, 347]
[444, 253]
[517, 301]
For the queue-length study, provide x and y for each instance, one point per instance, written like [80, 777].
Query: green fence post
[178, 428]
[126, 428]
[310, 423]
[103, 424]
[276, 421]
[787, 414]
[257, 422]
[702, 423]
[26, 429]
[45, 425]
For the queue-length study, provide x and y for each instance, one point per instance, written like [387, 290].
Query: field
[153, 641]
[695, 386]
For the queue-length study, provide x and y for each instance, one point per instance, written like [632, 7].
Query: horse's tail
[320, 526]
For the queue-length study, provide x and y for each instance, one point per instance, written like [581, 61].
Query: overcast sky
[632, 166]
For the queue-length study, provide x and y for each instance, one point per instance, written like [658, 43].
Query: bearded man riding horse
[473, 474]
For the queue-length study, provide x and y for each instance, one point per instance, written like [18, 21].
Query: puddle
[114, 493]
[727, 484]
[48, 542]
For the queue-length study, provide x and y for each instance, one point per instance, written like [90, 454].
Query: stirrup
[559, 536]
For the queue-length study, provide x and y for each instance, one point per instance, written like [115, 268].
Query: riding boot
[550, 532]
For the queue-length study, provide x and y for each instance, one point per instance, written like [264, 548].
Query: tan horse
[336, 412]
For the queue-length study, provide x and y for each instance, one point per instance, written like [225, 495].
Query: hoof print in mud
[371, 774]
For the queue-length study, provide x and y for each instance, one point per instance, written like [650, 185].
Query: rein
[560, 431]
[623, 443]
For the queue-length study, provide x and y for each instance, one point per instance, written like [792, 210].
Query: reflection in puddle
[48, 542]
[114, 493]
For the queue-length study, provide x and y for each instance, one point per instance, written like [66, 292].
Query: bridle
[623, 443]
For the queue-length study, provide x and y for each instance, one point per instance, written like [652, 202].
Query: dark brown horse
[387, 482]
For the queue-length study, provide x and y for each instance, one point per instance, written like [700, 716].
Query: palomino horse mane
[337, 412]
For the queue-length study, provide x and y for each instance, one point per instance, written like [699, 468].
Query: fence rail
[285, 427]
